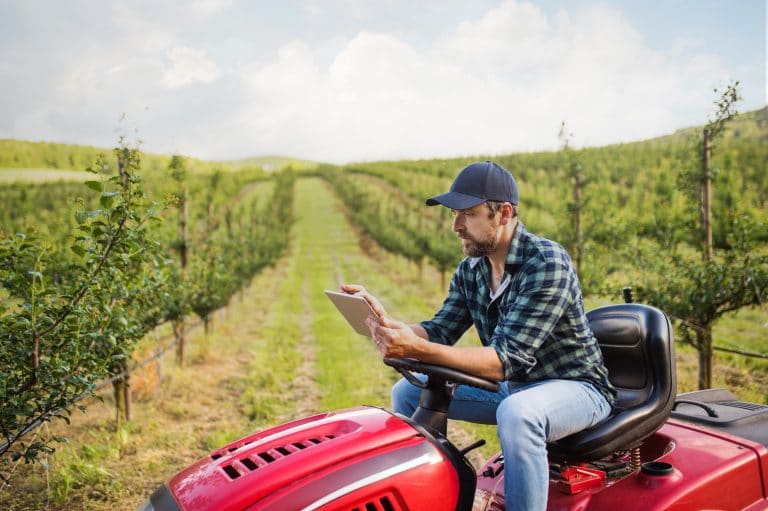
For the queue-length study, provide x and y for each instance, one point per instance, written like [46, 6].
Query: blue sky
[349, 80]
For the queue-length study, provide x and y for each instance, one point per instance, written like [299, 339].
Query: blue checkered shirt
[537, 326]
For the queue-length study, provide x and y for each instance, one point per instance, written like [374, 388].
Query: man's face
[478, 230]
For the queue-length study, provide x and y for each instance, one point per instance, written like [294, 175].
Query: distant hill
[23, 154]
[269, 163]
[748, 125]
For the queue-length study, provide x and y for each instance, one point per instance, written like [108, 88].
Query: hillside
[47, 156]
[748, 127]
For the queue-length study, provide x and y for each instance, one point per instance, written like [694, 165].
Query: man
[522, 294]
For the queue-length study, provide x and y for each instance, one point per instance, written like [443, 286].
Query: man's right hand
[357, 289]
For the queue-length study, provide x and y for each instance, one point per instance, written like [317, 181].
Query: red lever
[579, 478]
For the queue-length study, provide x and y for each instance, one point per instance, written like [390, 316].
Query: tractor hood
[318, 462]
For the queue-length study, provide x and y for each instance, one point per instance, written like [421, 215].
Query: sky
[363, 80]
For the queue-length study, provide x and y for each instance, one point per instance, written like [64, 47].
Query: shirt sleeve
[543, 297]
[453, 318]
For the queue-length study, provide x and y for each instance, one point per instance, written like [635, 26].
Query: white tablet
[354, 308]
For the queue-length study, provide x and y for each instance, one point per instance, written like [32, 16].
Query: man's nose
[458, 223]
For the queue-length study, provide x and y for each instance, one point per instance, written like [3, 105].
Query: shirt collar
[516, 256]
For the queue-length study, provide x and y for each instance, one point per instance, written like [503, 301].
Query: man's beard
[479, 248]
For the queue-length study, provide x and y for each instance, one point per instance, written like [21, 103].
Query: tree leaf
[95, 185]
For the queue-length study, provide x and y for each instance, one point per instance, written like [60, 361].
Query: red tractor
[697, 451]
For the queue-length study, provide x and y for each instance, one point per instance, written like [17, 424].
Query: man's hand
[394, 338]
[357, 289]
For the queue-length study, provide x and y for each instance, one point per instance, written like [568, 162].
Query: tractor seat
[638, 349]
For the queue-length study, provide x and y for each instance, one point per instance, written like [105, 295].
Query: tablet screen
[354, 308]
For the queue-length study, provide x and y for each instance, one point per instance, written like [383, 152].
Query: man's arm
[398, 340]
[419, 331]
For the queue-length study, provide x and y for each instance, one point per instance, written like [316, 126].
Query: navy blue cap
[477, 183]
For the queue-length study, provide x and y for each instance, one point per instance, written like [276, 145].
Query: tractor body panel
[709, 470]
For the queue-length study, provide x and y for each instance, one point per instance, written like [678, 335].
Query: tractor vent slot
[231, 472]
[387, 505]
[221, 453]
[746, 406]
[249, 464]
[275, 454]
[381, 504]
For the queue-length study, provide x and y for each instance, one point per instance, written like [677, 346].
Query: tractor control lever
[472, 447]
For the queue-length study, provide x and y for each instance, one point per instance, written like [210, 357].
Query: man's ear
[507, 213]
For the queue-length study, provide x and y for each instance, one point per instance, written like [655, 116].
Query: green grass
[746, 329]
[348, 368]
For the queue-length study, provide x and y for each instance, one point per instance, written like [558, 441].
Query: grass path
[280, 351]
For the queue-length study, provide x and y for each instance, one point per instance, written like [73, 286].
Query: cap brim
[455, 200]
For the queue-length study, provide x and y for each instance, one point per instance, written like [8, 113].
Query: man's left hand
[393, 338]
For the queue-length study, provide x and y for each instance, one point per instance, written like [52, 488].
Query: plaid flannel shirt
[537, 326]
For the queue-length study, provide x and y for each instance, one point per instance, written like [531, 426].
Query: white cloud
[501, 83]
[142, 31]
[189, 65]
[203, 8]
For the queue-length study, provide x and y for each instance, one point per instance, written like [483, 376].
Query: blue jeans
[528, 416]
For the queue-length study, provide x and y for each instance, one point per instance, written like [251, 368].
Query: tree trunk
[704, 341]
[183, 230]
[705, 199]
[578, 242]
[122, 393]
[178, 332]
[127, 394]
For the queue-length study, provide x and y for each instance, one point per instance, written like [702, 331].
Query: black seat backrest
[638, 348]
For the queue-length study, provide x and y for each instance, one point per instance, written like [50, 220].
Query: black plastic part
[433, 405]
[162, 500]
[739, 418]
[436, 394]
[706, 408]
[657, 468]
[472, 447]
[611, 468]
[638, 348]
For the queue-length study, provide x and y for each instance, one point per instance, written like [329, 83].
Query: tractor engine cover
[361, 458]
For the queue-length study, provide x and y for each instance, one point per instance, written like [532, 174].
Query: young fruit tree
[72, 311]
[699, 286]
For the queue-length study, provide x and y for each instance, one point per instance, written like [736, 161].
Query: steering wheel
[408, 366]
